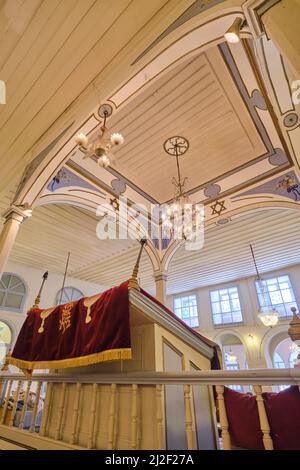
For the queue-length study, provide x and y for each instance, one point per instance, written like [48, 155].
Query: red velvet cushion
[243, 419]
[283, 411]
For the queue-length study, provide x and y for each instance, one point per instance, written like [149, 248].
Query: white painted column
[8, 236]
[161, 285]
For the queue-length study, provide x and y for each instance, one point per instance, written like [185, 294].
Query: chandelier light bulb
[81, 139]
[268, 316]
[232, 35]
[103, 161]
[116, 139]
[232, 358]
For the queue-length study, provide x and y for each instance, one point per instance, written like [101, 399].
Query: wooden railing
[96, 397]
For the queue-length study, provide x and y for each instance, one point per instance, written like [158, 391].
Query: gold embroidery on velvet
[89, 302]
[65, 319]
[44, 314]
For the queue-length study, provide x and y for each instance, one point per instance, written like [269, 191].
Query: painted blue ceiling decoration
[165, 243]
[193, 10]
[287, 185]
[31, 167]
[291, 120]
[258, 100]
[278, 158]
[155, 242]
[65, 178]
[212, 190]
[119, 186]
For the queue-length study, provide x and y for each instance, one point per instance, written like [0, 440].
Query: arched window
[12, 292]
[5, 340]
[278, 361]
[68, 295]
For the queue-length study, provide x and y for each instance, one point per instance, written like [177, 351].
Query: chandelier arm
[105, 117]
[178, 170]
[254, 260]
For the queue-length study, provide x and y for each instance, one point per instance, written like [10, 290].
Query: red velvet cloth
[215, 361]
[108, 329]
[243, 420]
[283, 411]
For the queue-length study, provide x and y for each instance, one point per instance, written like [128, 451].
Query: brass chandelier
[101, 148]
[180, 219]
[267, 314]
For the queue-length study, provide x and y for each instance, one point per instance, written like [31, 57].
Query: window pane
[194, 322]
[185, 313]
[217, 319]
[216, 307]
[12, 291]
[185, 307]
[228, 305]
[287, 295]
[5, 280]
[225, 306]
[236, 304]
[276, 298]
[237, 317]
[13, 301]
[214, 296]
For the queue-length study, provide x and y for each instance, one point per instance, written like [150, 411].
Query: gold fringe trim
[109, 355]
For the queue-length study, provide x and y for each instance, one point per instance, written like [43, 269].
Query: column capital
[160, 275]
[18, 213]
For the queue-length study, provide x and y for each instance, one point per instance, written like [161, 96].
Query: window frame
[225, 325]
[281, 317]
[67, 287]
[24, 295]
[188, 294]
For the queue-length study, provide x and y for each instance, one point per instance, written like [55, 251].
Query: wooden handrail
[202, 377]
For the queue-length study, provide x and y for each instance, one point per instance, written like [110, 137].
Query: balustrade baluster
[188, 417]
[92, 416]
[134, 398]
[24, 408]
[46, 409]
[263, 419]
[35, 407]
[159, 417]
[112, 417]
[13, 412]
[223, 417]
[60, 412]
[10, 382]
[73, 439]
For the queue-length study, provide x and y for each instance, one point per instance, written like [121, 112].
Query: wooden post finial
[294, 329]
[38, 297]
[133, 281]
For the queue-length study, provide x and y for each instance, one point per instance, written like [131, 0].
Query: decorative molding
[279, 186]
[212, 190]
[66, 178]
[290, 120]
[278, 158]
[193, 10]
[218, 207]
[29, 170]
[258, 100]
[254, 10]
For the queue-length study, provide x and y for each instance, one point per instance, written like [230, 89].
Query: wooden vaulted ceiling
[53, 55]
[62, 57]
[199, 101]
[44, 240]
